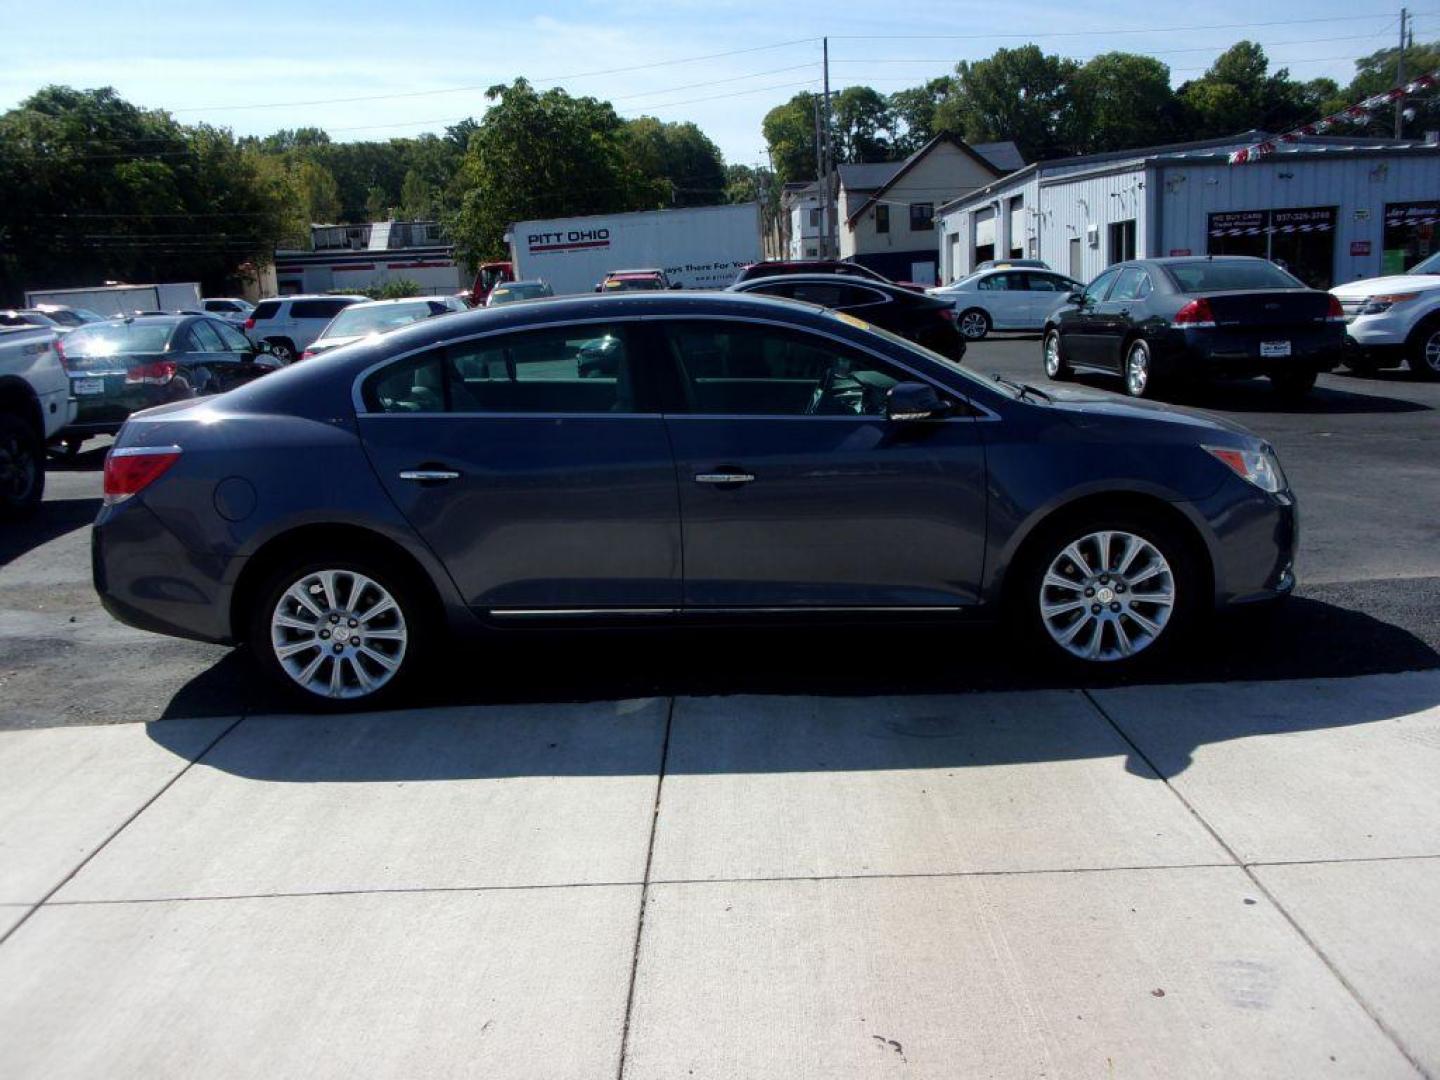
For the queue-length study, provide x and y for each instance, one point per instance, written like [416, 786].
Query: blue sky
[217, 63]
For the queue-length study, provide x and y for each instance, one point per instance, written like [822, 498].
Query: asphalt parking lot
[727, 853]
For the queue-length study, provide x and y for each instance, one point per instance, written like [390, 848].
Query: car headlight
[1259, 467]
[1374, 305]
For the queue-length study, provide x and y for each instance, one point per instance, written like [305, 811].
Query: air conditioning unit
[1092, 235]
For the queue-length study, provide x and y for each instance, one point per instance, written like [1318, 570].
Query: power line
[486, 86]
[1110, 31]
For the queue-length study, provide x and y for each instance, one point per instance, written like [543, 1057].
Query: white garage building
[1331, 208]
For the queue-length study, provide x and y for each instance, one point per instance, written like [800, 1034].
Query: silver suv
[288, 324]
[35, 403]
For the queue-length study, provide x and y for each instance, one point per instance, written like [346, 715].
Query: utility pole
[820, 183]
[832, 245]
[1400, 77]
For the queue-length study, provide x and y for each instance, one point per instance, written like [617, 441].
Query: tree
[1238, 94]
[863, 125]
[97, 188]
[540, 155]
[682, 165]
[1122, 100]
[1378, 72]
[318, 193]
[913, 114]
[1019, 94]
[789, 131]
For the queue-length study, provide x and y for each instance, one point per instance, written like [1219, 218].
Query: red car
[775, 267]
[490, 275]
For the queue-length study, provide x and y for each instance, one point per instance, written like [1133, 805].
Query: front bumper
[1255, 547]
[147, 579]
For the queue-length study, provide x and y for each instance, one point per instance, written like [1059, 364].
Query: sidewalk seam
[122, 827]
[644, 893]
[1245, 867]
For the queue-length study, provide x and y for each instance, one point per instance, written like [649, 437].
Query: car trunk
[103, 388]
[1267, 309]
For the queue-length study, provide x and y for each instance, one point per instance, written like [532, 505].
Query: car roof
[523, 281]
[397, 300]
[823, 279]
[634, 273]
[320, 296]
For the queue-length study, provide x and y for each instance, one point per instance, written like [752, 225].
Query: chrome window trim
[361, 413]
[708, 609]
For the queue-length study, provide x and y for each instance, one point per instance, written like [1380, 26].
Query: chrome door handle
[724, 477]
[429, 475]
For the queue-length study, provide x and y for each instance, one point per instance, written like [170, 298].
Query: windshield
[116, 338]
[1222, 275]
[362, 319]
[627, 284]
[64, 318]
[1427, 266]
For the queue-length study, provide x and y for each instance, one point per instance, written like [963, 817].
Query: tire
[1053, 352]
[1139, 373]
[1292, 386]
[22, 468]
[308, 675]
[282, 349]
[1423, 353]
[1129, 594]
[70, 447]
[974, 324]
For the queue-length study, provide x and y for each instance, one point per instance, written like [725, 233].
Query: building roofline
[915, 159]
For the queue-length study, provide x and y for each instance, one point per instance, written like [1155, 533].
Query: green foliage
[396, 289]
[1019, 94]
[1121, 100]
[96, 188]
[864, 123]
[913, 114]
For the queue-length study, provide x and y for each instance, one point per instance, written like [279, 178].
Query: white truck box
[701, 247]
[122, 299]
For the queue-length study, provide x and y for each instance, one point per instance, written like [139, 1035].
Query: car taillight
[306, 355]
[1196, 315]
[154, 374]
[60, 352]
[250, 324]
[1335, 313]
[947, 313]
[130, 470]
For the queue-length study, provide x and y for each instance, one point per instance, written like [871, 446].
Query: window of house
[922, 215]
[814, 218]
[730, 369]
[882, 218]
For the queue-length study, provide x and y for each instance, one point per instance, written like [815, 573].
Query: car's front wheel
[1424, 351]
[338, 632]
[1111, 591]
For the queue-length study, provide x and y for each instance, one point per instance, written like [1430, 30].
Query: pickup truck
[35, 403]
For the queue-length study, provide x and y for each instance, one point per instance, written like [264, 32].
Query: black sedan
[120, 366]
[925, 320]
[1153, 321]
[749, 458]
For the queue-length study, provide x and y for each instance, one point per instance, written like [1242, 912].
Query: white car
[1394, 320]
[1006, 299]
[35, 403]
[378, 317]
[288, 324]
[232, 309]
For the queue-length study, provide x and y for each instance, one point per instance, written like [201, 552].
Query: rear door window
[318, 309]
[207, 338]
[1096, 290]
[1133, 284]
[232, 338]
[266, 309]
[567, 370]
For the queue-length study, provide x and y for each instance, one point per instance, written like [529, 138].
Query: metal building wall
[1070, 206]
[1359, 186]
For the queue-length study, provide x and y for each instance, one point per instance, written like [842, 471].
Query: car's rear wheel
[22, 468]
[974, 324]
[1139, 375]
[282, 350]
[1054, 352]
[1117, 590]
[339, 632]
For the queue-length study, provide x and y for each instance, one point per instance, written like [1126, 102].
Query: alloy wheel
[1052, 355]
[1107, 596]
[974, 325]
[1432, 352]
[1137, 370]
[338, 634]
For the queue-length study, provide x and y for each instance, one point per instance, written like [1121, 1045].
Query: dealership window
[922, 216]
[815, 218]
[1301, 240]
[1122, 241]
[1410, 235]
[882, 218]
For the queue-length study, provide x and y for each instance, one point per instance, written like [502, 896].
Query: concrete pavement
[1189, 881]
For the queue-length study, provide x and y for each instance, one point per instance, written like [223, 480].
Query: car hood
[1083, 403]
[1393, 283]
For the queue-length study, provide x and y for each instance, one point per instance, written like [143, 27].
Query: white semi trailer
[122, 299]
[701, 247]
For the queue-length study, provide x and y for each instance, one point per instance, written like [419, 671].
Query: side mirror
[676, 285]
[914, 401]
[1076, 298]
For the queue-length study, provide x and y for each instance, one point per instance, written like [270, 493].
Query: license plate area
[1274, 348]
[82, 387]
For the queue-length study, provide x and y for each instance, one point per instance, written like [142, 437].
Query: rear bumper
[147, 579]
[1223, 354]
